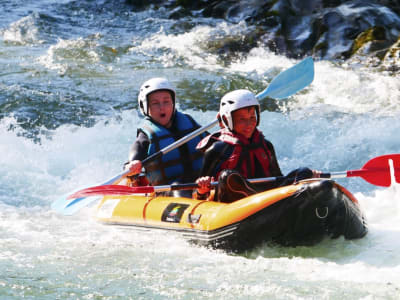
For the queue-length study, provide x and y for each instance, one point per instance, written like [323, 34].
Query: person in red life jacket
[239, 151]
[163, 124]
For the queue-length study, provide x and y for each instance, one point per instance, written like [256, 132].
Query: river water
[69, 75]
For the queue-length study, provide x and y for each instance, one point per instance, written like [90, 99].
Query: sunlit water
[68, 82]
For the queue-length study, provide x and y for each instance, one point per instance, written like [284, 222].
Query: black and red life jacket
[246, 153]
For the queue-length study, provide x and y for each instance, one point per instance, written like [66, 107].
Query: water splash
[30, 30]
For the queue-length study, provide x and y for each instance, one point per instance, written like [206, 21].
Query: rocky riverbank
[356, 31]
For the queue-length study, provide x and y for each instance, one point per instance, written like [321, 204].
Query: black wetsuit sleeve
[214, 156]
[139, 148]
[275, 169]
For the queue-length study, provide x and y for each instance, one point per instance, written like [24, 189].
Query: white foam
[76, 55]
[345, 90]
[24, 31]
[191, 47]
[352, 91]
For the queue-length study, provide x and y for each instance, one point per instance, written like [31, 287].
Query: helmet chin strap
[225, 122]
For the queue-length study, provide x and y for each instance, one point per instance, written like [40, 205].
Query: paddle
[290, 81]
[285, 84]
[126, 190]
[282, 86]
[378, 171]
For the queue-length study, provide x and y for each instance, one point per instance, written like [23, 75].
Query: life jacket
[179, 162]
[246, 153]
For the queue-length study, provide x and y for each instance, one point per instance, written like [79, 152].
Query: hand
[316, 174]
[204, 184]
[134, 167]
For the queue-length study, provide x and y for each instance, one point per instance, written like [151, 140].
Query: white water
[346, 117]
[48, 255]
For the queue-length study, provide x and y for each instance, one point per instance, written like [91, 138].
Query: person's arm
[275, 169]
[140, 147]
[137, 153]
[213, 157]
[295, 175]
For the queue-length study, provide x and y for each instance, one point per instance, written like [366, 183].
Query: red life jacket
[247, 153]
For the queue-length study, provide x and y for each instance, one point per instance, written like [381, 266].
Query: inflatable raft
[299, 214]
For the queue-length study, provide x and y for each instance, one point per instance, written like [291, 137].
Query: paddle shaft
[277, 89]
[103, 190]
[165, 150]
[178, 143]
[191, 186]
[282, 86]
[344, 174]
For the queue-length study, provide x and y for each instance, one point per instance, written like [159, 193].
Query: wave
[35, 28]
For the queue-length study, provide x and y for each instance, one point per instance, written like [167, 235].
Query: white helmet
[236, 100]
[150, 86]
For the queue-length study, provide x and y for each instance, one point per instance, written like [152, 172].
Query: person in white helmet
[239, 151]
[162, 126]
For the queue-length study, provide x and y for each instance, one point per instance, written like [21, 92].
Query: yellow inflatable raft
[300, 214]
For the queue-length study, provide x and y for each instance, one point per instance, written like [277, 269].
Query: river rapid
[69, 78]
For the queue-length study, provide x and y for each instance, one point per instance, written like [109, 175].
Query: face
[161, 107]
[245, 121]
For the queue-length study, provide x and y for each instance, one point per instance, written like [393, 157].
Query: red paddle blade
[378, 170]
[103, 190]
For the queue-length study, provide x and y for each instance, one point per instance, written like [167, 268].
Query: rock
[391, 61]
[371, 40]
[327, 29]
